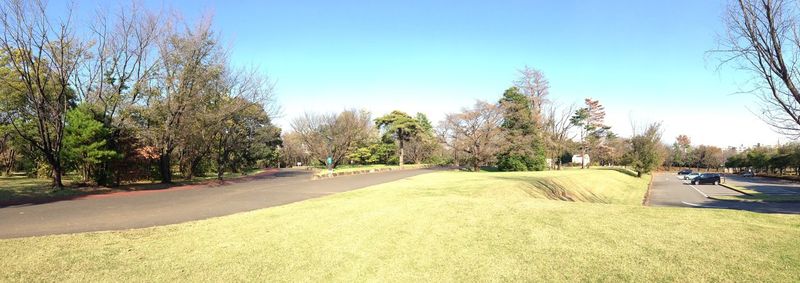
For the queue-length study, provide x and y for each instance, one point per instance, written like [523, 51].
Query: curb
[368, 171]
[735, 189]
[646, 200]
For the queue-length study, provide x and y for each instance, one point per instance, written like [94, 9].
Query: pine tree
[524, 148]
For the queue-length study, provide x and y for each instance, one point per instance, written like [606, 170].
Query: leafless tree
[763, 38]
[421, 147]
[536, 87]
[42, 54]
[294, 150]
[237, 92]
[190, 74]
[557, 125]
[476, 132]
[121, 62]
[333, 135]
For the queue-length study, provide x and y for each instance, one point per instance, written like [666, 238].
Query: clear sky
[644, 60]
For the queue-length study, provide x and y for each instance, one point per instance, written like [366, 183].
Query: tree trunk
[57, 172]
[401, 152]
[11, 161]
[583, 157]
[164, 168]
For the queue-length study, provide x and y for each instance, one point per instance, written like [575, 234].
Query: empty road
[153, 208]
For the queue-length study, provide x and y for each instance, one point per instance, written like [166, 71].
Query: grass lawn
[444, 226]
[25, 188]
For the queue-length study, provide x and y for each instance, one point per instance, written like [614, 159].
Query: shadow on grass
[482, 169]
[625, 171]
[549, 189]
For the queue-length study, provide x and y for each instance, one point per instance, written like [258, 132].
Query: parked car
[707, 178]
[691, 176]
[682, 174]
[748, 174]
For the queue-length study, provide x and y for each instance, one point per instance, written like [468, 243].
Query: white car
[691, 176]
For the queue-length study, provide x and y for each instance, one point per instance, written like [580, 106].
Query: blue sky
[644, 60]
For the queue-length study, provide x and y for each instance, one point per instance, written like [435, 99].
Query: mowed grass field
[575, 225]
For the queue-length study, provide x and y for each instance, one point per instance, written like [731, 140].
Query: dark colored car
[707, 178]
[685, 172]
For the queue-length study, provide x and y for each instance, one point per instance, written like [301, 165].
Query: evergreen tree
[524, 148]
[401, 126]
[85, 142]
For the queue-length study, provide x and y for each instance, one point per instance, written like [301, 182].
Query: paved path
[153, 208]
[668, 190]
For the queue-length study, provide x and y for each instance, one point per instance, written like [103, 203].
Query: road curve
[127, 211]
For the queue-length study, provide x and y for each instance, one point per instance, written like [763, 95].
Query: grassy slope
[449, 226]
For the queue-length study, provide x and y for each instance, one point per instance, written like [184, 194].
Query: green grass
[446, 226]
[353, 168]
[755, 196]
[26, 188]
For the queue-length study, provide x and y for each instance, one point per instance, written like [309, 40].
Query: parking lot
[668, 190]
[765, 185]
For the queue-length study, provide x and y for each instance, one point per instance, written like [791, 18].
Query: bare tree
[557, 125]
[592, 129]
[189, 74]
[333, 135]
[763, 39]
[240, 115]
[476, 132]
[536, 87]
[121, 62]
[42, 54]
[294, 150]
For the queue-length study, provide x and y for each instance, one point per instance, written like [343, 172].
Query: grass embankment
[755, 196]
[365, 168]
[445, 226]
[22, 189]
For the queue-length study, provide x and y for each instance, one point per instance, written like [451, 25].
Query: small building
[578, 159]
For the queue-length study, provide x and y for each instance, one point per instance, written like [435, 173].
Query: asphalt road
[668, 190]
[765, 185]
[153, 208]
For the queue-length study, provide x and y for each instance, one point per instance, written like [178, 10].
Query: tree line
[137, 94]
[523, 131]
[780, 160]
[128, 95]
